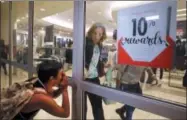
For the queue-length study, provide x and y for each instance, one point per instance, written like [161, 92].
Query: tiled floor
[163, 92]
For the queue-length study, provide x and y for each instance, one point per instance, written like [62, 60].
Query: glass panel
[53, 29]
[153, 82]
[116, 110]
[4, 43]
[19, 40]
[46, 116]
[52, 40]
[20, 32]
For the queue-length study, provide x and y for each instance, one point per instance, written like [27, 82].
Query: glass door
[48, 28]
[99, 99]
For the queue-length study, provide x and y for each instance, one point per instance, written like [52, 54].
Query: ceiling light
[18, 20]
[23, 18]
[99, 12]
[181, 10]
[66, 24]
[27, 16]
[57, 14]
[180, 15]
[42, 9]
[58, 22]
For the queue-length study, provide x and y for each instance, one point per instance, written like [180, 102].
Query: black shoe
[120, 112]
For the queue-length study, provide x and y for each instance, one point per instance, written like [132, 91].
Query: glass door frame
[159, 107]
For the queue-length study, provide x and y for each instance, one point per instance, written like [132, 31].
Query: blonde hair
[92, 30]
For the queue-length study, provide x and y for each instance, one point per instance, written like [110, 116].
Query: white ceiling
[94, 13]
[63, 19]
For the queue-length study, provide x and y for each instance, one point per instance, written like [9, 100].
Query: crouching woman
[41, 96]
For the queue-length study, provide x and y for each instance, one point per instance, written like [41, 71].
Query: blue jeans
[129, 112]
[134, 88]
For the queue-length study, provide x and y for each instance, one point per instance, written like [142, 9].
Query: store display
[49, 33]
[181, 29]
[1, 44]
[69, 55]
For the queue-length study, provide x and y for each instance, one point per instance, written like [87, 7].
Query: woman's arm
[65, 103]
[52, 106]
[46, 102]
[57, 93]
[49, 105]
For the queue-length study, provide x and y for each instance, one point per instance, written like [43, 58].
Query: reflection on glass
[110, 113]
[52, 34]
[159, 83]
[20, 32]
[4, 44]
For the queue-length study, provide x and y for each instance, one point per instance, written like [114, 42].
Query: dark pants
[134, 88]
[4, 68]
[96, 102]
[161, 72]
[185, 79]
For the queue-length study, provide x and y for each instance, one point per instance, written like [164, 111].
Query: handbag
[109, 83]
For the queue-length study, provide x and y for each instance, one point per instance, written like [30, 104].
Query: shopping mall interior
[53, 29]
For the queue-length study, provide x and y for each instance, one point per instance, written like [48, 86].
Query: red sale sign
[146, 35]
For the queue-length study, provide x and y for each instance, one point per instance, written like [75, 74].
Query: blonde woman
[94, 65]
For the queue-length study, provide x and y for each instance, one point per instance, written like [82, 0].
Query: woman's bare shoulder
[37, 102]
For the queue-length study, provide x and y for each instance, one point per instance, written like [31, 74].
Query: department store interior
[53, 29]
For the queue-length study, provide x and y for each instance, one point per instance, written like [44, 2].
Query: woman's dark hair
[48, 69]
